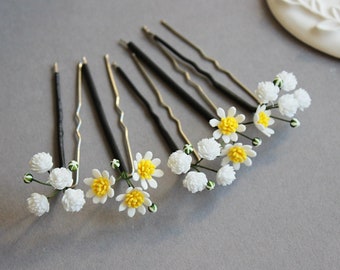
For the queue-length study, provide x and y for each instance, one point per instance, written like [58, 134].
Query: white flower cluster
[289, 103]
[60, 179]
[230, 126]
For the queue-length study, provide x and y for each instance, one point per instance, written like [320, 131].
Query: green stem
[279, 118]
[275, 106]
[55, 192]
[207, 168]
[42, 183]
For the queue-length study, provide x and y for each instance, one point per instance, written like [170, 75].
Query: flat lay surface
[280, 213]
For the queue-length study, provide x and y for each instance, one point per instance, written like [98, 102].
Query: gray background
[281, 213]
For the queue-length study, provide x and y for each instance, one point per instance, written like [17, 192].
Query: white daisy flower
[179, 162]
[73, 200]
[225, 175]
[288, 81]
[195, 181]
[267, 92]
[100, 186]
[60, 178]
[134, 199]
[145, 169]
[262, 120]
[41, 162]
[38, 204]
[302, 98]
[228, 125]
[208, 148]
[288, 105]
[237, 154]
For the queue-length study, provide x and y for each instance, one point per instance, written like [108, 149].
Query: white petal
[105, 174]
[120, 197]
[231, 111]
[240, 118]
[95, 199]
[214, 122]
[225, 138]
[220, 112]
[144, 184]
[225, 161]
[122, 206]
[88, 181]
[251, 153]
[248, 162]
[110, 193]
[89, 193]
[158, 173]
[131, 212]
[147, 202]
[148, 155]
[156, 161]
[141, 209]
[153, 183]
[135, 176]
[103, 199]
[112, 180]
[241, 128]
[233, 137]
[96, 173]
[236, 166]
[138, 156]
[217, 134]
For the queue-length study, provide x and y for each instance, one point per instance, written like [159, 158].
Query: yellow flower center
[134, 199]
[100, 186]
[263, 119]
[146, 169]
[237, 154]
[228, 125]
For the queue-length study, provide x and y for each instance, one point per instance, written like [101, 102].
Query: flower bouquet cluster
[225, 143]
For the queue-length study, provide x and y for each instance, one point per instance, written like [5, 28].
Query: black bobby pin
[170, 82]
[216, 84]
[167, 138]
[59, 118]
[102, 118]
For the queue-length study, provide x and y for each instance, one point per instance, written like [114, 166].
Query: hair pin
[60, 178]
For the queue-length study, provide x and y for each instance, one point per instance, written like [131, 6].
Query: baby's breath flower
[288, 80]
[294, 123]
[73, 200]
[225, 175]
[38, 204]
[153, 208]
[195, 181]
[41, 162]
[262, 120]
[237, 154]
[134, 199]
[288, 105]
[209, 148]
[303, 98]
[228, 125]
[146, 169]
[179, 162]
[28, 178]
[210, 185]
[100, 186]
[267, 92]
[60, 178]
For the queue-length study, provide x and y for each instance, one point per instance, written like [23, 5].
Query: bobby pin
[212, 60]
[207, 75]
[59, 119]
[167, 138]
[166, 79]
[78, 119]
[119, 110]
[185, 73]
[101, 115]
[162, 103]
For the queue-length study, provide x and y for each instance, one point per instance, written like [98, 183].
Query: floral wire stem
[213, 61]
[185, 73]
[161, 101]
